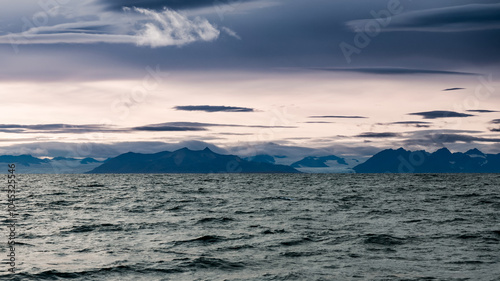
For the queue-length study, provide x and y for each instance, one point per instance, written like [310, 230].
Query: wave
[212, 219]
[384, 239]
[96, 274]
[296, 242]
[92, 185]
[94, 227]
[276, 231]
[206, 239]
[213, 263]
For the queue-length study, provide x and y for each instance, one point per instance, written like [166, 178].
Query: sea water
[255, 227]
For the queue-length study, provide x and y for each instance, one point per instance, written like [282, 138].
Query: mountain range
[187, 161]
[206, 161]
[440, 161]
[27, 164]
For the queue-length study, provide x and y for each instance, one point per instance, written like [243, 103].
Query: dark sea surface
[256, 227]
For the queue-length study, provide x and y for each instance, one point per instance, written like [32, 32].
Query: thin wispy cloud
[231, 32]
[136, 26]
[453, 89]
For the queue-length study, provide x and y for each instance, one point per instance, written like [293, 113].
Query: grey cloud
[117, 5]
[12, 131]
[495, 130]
[481, 111]
[195, 126]
[235, 134]
[378, 135]
[495, 121]
[451, 138]
[393, 71]
[51, 126]
[211, 108]
[339, 116]
[160, 128]
[56, 128]
[453, 89]
[418, 133]
[470, 17]
[418, 124]
[440, 114]
[76, 129]
[18, 139]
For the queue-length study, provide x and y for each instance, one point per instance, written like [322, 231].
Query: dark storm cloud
[393, 71]
[308, 35]
[495, 130]
[339, 116]
[448, 19]
[481, 110]
[378, 135]
[117, 5]
[211, 108]
[440, 114]
[495, 121]
[453, 89]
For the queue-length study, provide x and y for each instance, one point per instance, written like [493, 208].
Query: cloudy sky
[101, 77]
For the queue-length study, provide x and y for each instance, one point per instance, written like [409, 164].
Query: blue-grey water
[256, 227]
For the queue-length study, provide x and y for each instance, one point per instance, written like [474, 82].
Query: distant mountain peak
[443, 151]
[474, 151]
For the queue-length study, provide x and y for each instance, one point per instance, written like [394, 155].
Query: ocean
[255, 227]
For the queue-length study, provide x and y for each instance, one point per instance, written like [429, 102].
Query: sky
[96, 78]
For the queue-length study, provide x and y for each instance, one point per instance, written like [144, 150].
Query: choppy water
[257, 227]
